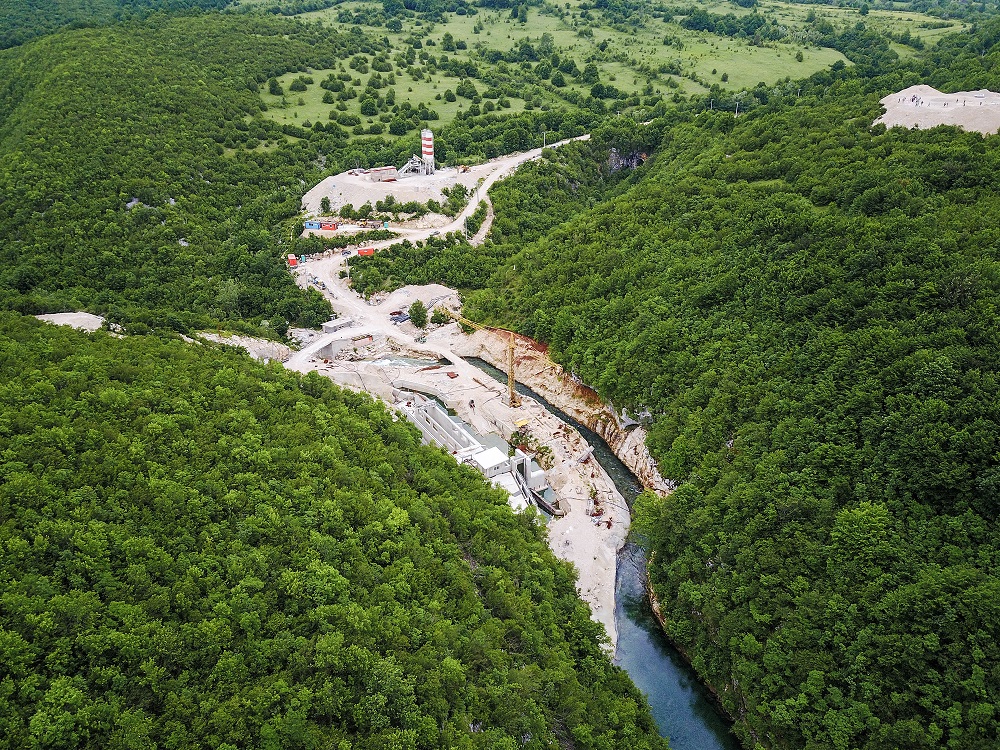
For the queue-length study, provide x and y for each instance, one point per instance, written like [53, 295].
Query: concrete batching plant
[427, 150]
[423, 164]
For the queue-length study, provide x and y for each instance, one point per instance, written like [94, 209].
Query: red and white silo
[427, 150]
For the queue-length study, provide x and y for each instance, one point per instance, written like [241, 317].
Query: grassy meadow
[299, 107]
[652, 56]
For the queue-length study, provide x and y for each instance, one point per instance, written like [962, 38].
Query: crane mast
[512, 398]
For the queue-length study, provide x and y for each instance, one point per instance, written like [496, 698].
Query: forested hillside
[119, 193]
[138, 178]
[200, 551]
[23, 20]
[807, 306]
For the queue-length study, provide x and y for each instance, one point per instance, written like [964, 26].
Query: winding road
[503, 166]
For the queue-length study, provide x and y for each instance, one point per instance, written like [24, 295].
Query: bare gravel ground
[83, 320]
[925, 107]
[357, 189]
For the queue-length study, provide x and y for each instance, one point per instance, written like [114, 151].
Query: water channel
[683, 709]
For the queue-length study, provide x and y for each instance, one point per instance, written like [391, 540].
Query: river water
[683, 709]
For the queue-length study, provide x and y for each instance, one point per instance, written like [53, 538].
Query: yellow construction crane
[512, 398]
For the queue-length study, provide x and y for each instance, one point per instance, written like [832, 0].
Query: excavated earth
[548, 379]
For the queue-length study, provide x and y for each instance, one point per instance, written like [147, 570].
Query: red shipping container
[366, 251]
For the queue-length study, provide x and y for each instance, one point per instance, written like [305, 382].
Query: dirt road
[394, 362]
[484, 176]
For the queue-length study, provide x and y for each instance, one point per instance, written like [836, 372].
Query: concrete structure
[332, 326]
[415, 166]
[427, 150]
[331, 349]
[423, 164]
[517, 474]
[383, 174]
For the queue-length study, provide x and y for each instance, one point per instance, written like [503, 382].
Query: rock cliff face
[546, 378]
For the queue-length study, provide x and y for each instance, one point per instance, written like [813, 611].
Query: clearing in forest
[925, 107]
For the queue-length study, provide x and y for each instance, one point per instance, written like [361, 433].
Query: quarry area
[83, 320]
[923, 107]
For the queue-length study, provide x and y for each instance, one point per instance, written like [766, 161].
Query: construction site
[465, 411]
[438, 379]
[420, 180]
[429, 377]
[528, 451]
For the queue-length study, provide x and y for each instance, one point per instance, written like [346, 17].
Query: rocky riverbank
[546, 378]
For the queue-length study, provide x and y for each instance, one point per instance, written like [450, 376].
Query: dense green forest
[119, 193]
[197, 550]
[806, 305]
[138, 178]
[200, 550]
[23, 20]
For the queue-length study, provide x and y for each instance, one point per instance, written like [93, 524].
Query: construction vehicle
[512, 398]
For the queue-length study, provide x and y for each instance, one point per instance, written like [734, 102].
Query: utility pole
[543, 138]
[737, 108]
[711, 103]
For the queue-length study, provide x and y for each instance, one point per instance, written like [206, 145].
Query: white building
[514, 473]
[336, 324]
